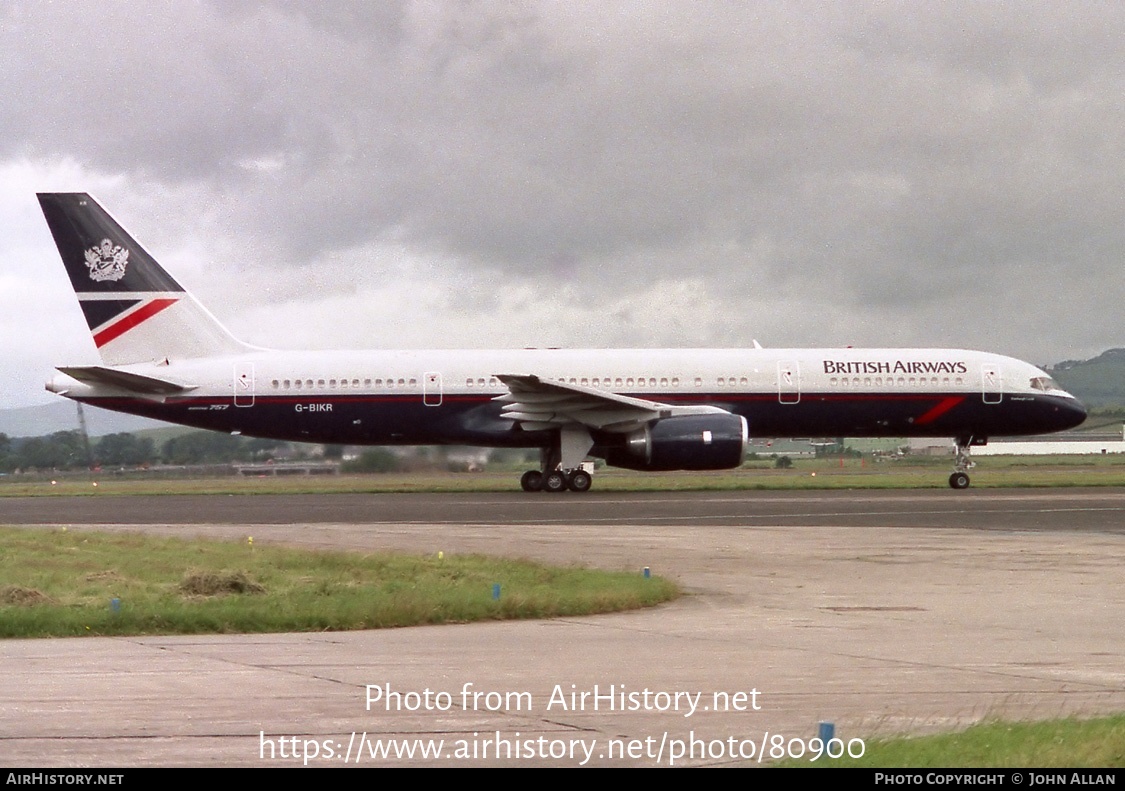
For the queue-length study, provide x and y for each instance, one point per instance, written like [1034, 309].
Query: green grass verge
[1066, 743]
[64, 583]
[806, 474]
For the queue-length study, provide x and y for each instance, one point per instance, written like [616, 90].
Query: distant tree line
[66, 450]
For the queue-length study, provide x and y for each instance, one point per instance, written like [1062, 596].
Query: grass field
[67, 583]
[1068, 743]
[849, 473]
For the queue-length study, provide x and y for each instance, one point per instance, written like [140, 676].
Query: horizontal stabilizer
[113, 377]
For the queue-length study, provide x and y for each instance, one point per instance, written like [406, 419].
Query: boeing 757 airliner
[165, 356]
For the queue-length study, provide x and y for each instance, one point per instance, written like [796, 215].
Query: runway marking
[642, 519]
[766, 500]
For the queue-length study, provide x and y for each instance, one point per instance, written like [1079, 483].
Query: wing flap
[537, 403]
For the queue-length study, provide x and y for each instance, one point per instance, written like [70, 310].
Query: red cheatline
[942, 407]
[132, 320]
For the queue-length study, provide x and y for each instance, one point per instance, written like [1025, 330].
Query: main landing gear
[562, 464]
[963, 463]
[577, 480]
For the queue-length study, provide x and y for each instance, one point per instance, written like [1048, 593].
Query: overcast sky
[439, 174]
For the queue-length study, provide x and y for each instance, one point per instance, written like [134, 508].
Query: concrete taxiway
[881, 612]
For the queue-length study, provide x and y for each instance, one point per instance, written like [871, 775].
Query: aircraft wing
[536, 404]
[114, 377]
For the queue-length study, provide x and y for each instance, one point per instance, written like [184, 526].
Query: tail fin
[136, 311]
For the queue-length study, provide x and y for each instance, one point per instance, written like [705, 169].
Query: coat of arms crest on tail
[107, 261]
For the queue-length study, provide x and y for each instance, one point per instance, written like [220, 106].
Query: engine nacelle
[690, 442]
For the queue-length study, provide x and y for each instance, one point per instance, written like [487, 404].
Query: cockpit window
[1044, 383]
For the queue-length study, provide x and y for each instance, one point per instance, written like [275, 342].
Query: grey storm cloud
[826, 172]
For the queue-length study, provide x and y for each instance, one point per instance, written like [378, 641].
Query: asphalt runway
[880, 612]
[980, 509]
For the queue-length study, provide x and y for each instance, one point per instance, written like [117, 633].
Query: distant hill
[1099, 382]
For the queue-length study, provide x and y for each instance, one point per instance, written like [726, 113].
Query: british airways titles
[896, 367]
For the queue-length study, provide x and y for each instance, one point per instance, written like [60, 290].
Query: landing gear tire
[531, 481]
[579, 481]
[959, 480]
[554, 482]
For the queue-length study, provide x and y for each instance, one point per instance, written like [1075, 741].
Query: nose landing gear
[963, 463]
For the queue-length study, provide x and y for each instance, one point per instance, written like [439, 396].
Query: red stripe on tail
[132, 320]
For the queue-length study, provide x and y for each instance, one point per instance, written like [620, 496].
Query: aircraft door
[788, 381]
[431, 388]
[244, 384]
[992, 384]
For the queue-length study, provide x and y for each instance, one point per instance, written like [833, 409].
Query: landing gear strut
[962, 464]
[561, 464]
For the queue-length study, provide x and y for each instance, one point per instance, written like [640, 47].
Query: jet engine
[689, 442]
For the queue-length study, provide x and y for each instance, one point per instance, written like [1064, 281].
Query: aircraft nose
[1071, 413]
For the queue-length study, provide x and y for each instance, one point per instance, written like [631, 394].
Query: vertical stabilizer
[135, 310]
